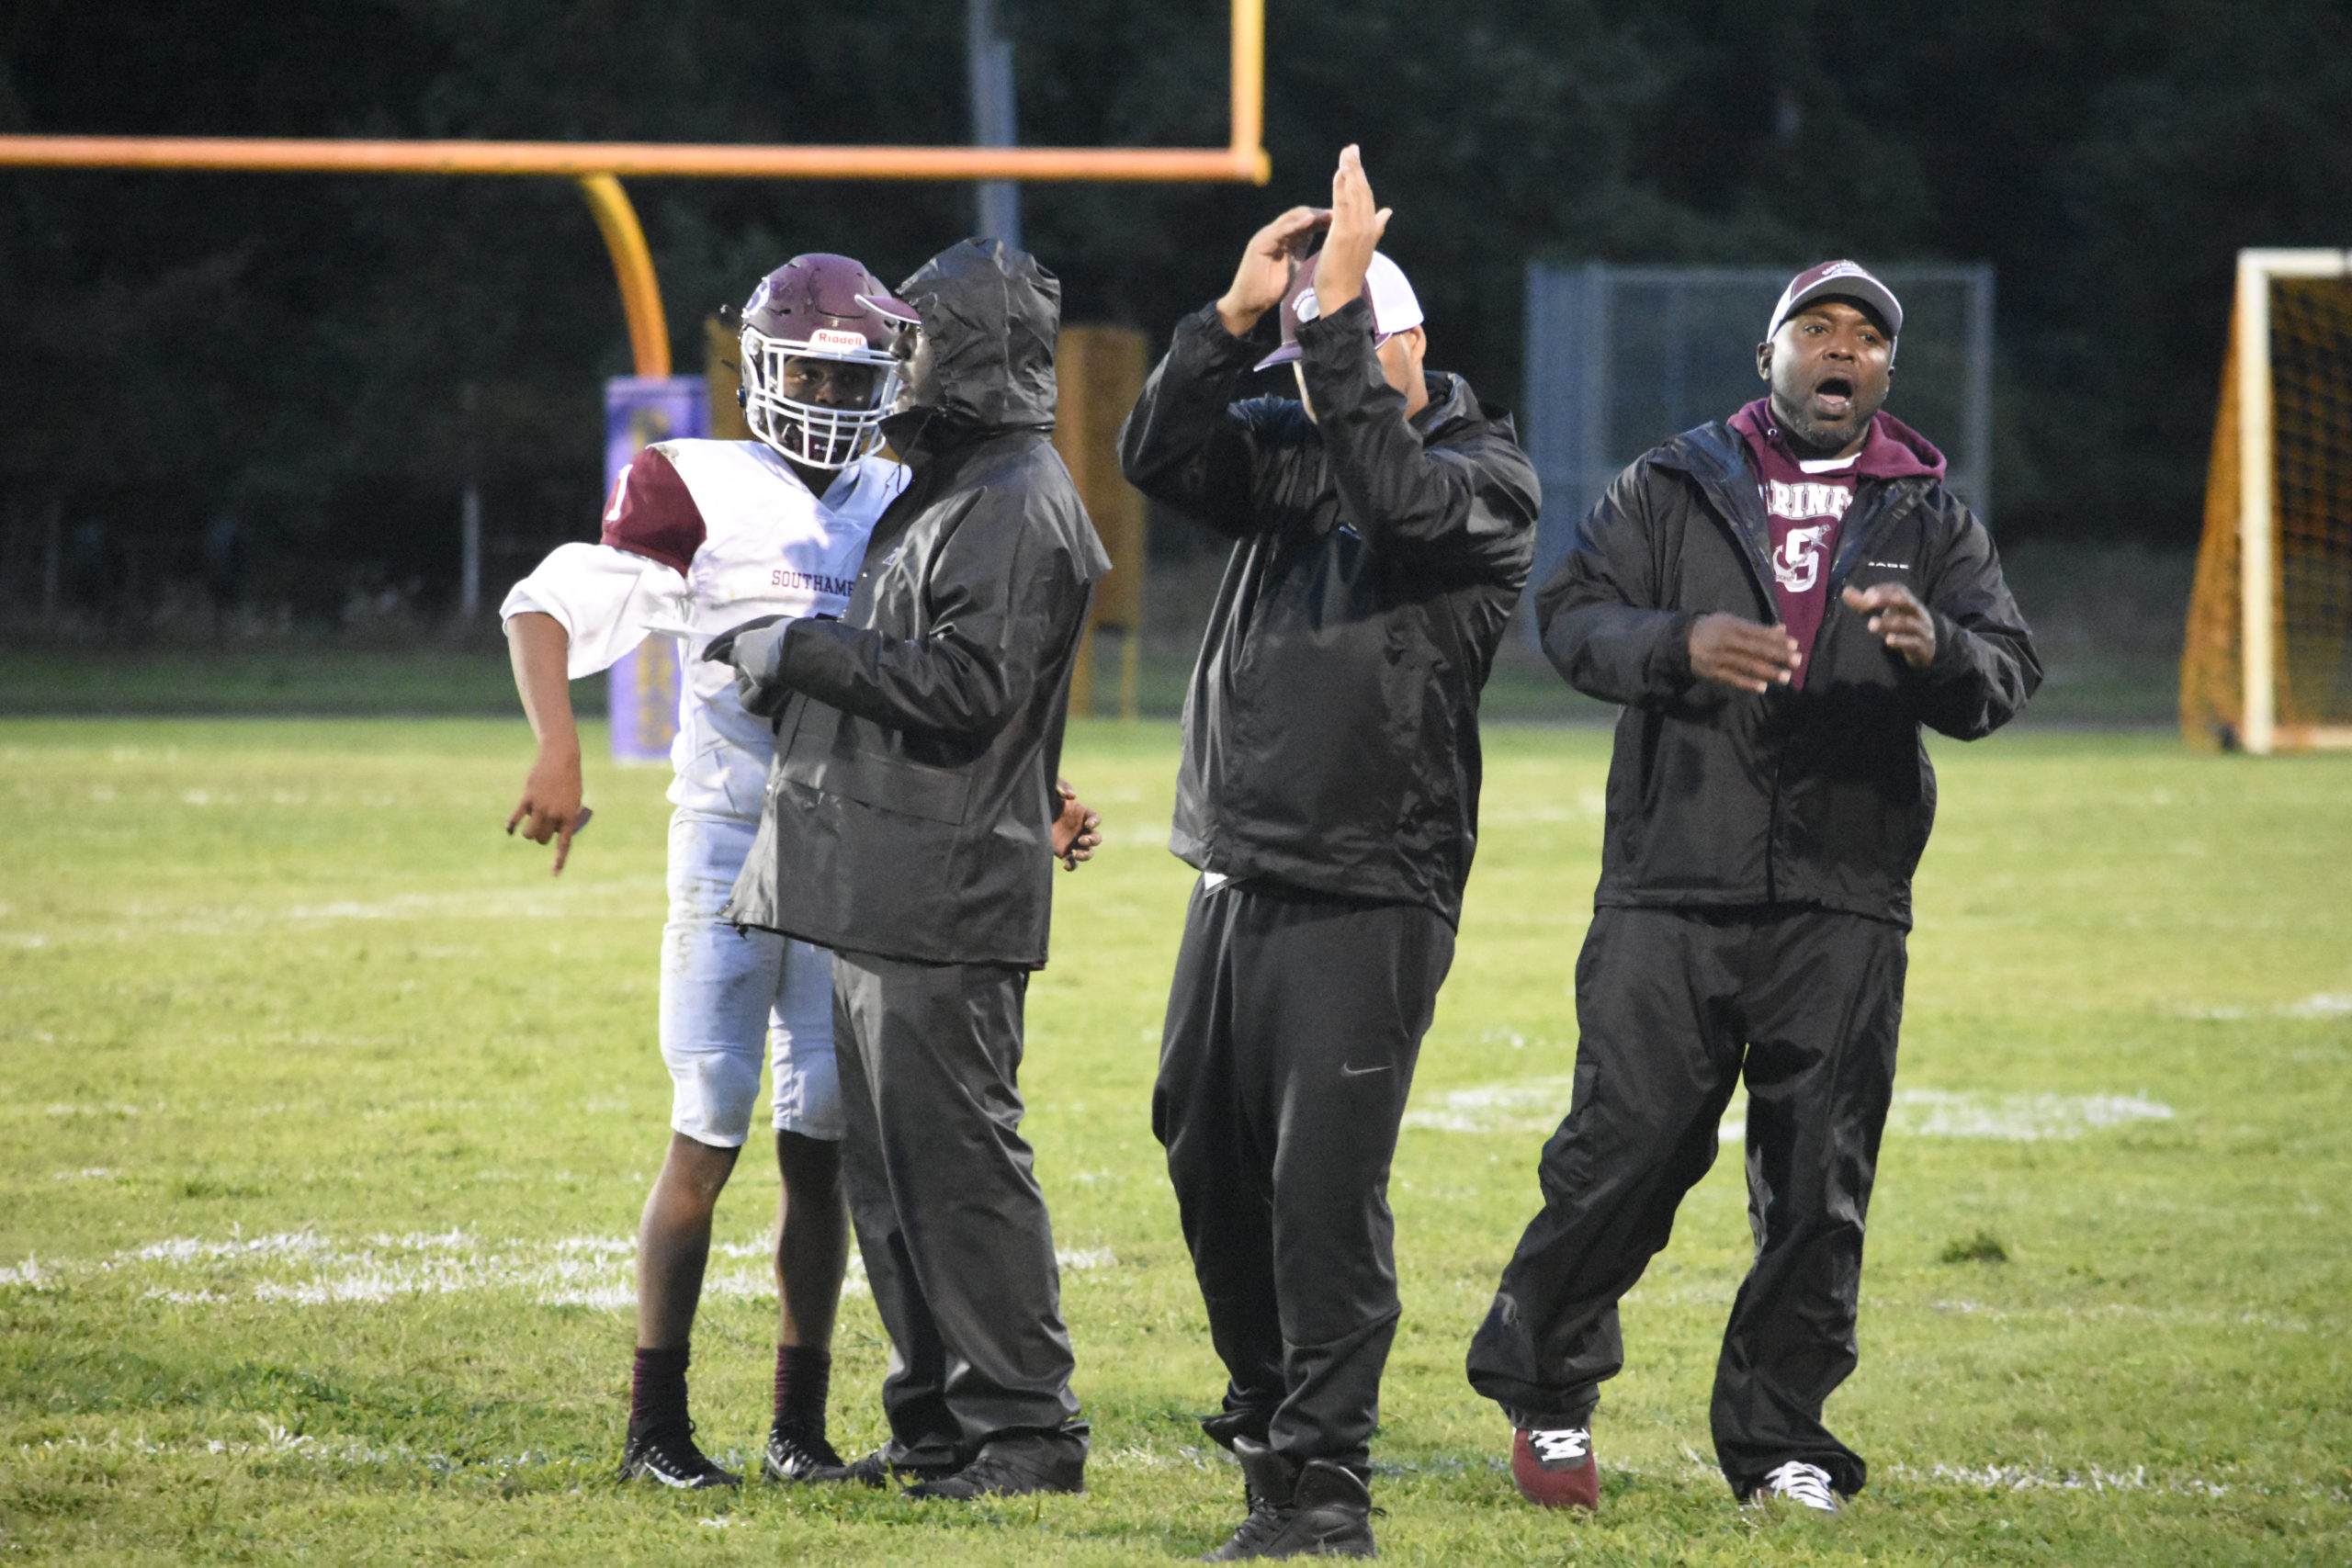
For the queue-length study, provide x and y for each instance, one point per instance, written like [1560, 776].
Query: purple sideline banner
[639, 411]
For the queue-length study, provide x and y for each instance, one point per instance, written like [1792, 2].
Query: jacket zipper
[1848, 550]
[1732, 514]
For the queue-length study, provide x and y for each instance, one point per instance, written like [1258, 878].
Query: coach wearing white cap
[1381, 527]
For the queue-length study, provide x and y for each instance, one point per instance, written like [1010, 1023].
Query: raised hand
[1264, 274]
[1357, 223]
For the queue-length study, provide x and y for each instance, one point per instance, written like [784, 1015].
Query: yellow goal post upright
[2267, 664]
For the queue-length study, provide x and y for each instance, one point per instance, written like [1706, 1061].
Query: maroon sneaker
[1554, 1467]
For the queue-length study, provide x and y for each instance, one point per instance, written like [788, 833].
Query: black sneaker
[875, 1469]
[1267, 1481]
[1015, 1467]
[796, 1453]
[1320, 1509]
[668, 1456]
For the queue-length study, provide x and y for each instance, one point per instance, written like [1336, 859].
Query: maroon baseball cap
[1850, 279]
[1394, 307]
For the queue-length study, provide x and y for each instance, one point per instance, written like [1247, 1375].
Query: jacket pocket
[888, 784]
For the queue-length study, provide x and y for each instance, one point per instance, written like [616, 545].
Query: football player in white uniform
[700, 536]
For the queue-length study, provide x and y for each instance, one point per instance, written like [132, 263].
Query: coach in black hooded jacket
[909, 828]
[1764, 819]
[919, 736]
[1328, 794]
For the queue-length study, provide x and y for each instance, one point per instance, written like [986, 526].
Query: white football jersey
[700, 536]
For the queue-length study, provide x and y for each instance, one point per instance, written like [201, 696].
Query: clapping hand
[1264, 274]
[1898, 619]
[1738, 653]
[1357, 223]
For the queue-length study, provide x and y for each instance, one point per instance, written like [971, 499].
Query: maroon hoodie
[1805, 499]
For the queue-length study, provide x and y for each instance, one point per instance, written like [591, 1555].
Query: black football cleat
[668, 1455]
[796, 1453]
[1015, 1467]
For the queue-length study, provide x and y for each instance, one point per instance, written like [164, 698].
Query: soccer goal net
[2267, 663]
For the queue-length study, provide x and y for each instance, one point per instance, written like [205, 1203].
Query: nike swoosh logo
[1349, 1072]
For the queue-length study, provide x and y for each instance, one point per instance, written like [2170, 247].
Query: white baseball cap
[1394, 307]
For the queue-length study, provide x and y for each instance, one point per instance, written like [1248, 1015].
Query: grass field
[328, 1115]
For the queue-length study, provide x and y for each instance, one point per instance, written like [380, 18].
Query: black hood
[991, 314]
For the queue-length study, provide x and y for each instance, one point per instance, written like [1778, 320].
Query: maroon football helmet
[819, 307]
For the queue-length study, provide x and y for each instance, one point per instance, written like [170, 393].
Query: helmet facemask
[815, 434]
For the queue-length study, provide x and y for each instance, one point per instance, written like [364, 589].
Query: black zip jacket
[910, 805]
[1719, 797]
[1332, 729]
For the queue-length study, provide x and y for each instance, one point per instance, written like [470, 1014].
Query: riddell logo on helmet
[829, 337]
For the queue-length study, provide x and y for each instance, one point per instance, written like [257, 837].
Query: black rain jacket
[1331, 728]
[910, 805]
[1825, 795]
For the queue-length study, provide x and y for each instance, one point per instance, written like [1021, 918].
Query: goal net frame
[2231, 692]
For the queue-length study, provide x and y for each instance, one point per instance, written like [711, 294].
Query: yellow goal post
[598, 167]
[2267, 664]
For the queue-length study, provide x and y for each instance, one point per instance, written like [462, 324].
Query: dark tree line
[278, 384]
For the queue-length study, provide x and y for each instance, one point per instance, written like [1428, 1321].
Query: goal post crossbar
[1242, 159]
[597, 166]
[261, 155]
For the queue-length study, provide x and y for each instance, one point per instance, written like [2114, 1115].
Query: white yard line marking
[2326, 1004]
[305, 1267]
[619, 897]
[2015, 1118]
[1537, 1105]
[1530, 1105]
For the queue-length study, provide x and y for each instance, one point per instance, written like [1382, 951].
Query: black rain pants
[1294, 1022]
[949, 1217]
[1673, 1008]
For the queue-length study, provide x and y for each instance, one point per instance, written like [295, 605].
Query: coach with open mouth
[1778, 603]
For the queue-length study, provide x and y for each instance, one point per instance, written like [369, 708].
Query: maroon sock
[656, 1395]
[803, 1373]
